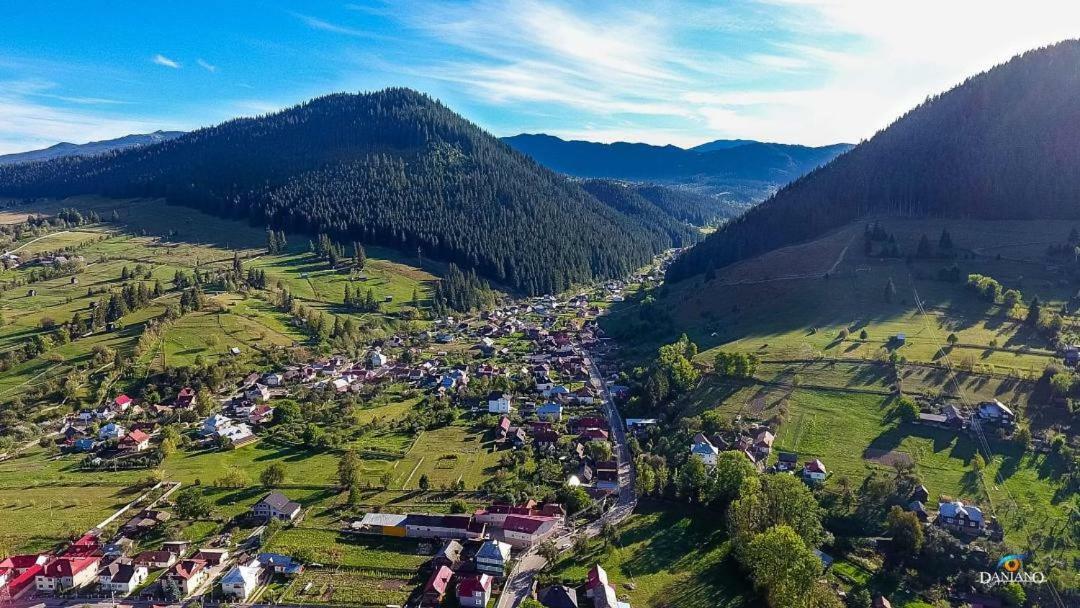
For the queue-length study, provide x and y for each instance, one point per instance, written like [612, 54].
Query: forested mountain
[685, 205]
[393, 168]
[1004, 144]
[778, 163]
[95, 147]
[625, 199]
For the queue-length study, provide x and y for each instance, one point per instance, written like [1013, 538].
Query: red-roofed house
[185, 397]
[122, 402]
[135, 441]
[474, 591]
[67, 573]
[86, 546]
[525, 530]
[435, 589]
[814, 470]
[594, 435]
[187, 574]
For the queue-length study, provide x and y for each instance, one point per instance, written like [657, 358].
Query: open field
[446, 455]
[667, 555]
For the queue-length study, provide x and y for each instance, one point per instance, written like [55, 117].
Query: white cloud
[328, 26]
[209, 67]
[165, 61]
[816, 71]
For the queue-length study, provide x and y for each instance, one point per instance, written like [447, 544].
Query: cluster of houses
[597, 592]
[991, 413]
[476, 547]
[114, 568]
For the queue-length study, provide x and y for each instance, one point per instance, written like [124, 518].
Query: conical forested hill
[1005, 144]
[393, 167]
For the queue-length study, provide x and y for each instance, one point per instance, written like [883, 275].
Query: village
[547, 405]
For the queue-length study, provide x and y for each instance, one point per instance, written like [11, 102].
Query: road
[520, 581]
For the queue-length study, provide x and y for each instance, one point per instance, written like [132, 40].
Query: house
[435, 589]
[273, 379]
[958, 517]
[280, 564]
[259, 392]
[177, 547]
[550, 411]
[241, 581]
[111, 431]
[763, 443]
[135, 441]
[704, 450]
[185, 398]
[598, 589]
[474, 591]
[919, 510]
[118, 547]
[814, 470]
[276, 505]
[527, 530]
[122, 403]
[85, 444]
[558, 596]
[786, 461]
[594, 435]
[503, 429]
[492, 557]
[146, 520]
[212, 557]
[995, 412]
[881, 601]
[377, 359]
[156, 559]
[121, 577]
[449, 555]
[67, 573]
[500, 403]
[186, 575]
[920, 493]
[214, 425]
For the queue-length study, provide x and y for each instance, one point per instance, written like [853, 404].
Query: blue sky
[681, 72]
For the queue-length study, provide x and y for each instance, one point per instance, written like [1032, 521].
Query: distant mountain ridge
[730, 159]
[392, 167]
[64, 149]
[1004, 144]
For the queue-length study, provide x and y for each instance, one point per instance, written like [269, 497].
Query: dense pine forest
[392, 168]
[626, 199]
[1002, 145]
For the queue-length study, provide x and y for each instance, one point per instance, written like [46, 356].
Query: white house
[499, 403]
[241, 581]
[474, 591]
[527, 530]
[67, 573]
[111, 431]
[703, 449]
[492, 557]
[122, 577]
[814, 470]
[378, 359]
[276, 505]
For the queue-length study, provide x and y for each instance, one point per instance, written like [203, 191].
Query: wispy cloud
[165, 61]
[328, 26]
[206, 65]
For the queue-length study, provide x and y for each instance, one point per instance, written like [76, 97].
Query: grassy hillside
[162, 239]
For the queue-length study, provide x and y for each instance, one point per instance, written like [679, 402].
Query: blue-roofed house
[550, 411]
[280, 564]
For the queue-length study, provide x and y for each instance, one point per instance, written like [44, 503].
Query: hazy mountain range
[63, 149]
